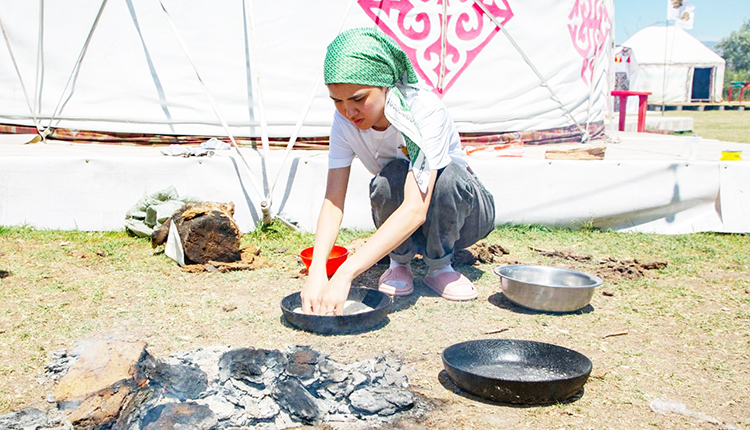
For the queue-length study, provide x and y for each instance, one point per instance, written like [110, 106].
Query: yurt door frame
[701, 84]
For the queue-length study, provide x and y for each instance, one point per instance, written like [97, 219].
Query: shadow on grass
[369, 279]
[449, 385]
[342, 332]
[499, 300]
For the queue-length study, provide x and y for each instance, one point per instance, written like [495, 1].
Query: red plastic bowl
[335, 259]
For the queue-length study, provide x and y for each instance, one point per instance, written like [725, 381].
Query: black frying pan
[516, 371]
[342, 324]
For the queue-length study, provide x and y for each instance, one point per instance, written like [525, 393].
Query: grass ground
[680, 333]
[732, 126]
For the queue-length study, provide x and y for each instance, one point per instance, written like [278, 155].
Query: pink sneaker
[452, 286]
[397, 281]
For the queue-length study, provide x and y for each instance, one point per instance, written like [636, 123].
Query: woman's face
[362, 105]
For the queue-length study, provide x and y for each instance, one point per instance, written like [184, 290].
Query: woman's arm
[326, 232]
[398, 227]
[394, 231]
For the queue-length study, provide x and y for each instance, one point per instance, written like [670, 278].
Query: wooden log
[207, 230]
[585, 153]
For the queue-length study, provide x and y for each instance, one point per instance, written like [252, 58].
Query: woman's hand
[323, 297]
[312, 292]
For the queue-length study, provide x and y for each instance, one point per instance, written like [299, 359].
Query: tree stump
[207, 231]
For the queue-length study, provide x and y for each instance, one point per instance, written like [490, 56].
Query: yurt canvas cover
[133, 66]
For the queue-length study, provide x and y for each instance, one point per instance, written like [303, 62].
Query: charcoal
[223, 409]
[400, 398]
[367, 401]
[180, 381]
[265, 409]
[253, 390]
[179, 416]
[23, 419]
[58, 367]
[249, 364]
[381, 401]
[297, 401]
[303, 365]
[358, 378]
[392, 377]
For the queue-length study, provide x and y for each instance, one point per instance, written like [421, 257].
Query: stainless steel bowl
[545, 288]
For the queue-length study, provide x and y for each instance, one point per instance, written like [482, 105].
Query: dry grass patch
[679, 333]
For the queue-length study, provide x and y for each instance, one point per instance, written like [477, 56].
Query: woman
[424, 197]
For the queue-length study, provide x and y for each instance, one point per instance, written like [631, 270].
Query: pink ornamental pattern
[589, 29]
[440, 46]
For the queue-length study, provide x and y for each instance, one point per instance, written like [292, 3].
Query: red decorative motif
[589, 29]
[440, 47]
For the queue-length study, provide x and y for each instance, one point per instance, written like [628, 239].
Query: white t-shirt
[377, 148]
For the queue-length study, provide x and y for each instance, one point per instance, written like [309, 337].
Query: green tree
[736, 48]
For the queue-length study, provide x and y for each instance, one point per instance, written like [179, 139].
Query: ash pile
[120, 386]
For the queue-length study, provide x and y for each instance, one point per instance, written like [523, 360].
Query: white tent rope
[76, 68]
[443, 46]
[255, 67]
[611, 77]
[210, 98]
[584, 133]
[297, 127]
[592, 87]
[666, 66]
[118, 120]
[20, 78]
[39, 65]
[306, 110]
[609, 49]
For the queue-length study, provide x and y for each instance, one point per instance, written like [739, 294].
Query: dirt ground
[647, 337]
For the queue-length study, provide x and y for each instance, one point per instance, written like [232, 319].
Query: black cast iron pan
[341, 324]
[516, 371]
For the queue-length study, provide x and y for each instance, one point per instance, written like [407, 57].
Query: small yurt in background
[676, 67]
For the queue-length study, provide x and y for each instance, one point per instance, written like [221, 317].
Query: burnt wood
[207, 231]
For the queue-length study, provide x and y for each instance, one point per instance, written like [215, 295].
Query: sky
[714, 19]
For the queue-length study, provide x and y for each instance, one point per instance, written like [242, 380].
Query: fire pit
[217, 388]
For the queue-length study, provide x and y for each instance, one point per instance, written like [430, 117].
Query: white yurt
[114, 70]
[675, 67]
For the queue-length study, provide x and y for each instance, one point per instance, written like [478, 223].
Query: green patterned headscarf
[366, 56]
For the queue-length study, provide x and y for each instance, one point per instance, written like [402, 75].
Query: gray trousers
[461, 212]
